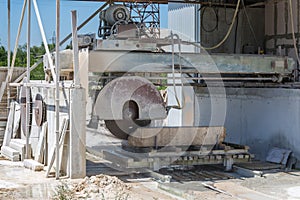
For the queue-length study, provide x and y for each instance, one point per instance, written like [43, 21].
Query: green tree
[3, 56]
[36, 53]
[21, 58]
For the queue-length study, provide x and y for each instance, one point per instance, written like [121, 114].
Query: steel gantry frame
[55, 69]
[146, 14]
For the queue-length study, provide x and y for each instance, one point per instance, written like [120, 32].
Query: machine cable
[229, 30]
[293, 31]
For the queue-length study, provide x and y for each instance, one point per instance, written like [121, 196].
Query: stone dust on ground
[16, 182]
[101, 187]
[112, 188]
[19, 183]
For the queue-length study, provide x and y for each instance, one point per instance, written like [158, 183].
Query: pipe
[57, 69]
[75, 48]
[38, 16]
[8, 51]
[17, 42]
[293, 32]
[173, 71]
[28, 77]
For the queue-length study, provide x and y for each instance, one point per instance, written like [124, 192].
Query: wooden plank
[177, 136]
[61, 140]
[9, 125]
[39, 152]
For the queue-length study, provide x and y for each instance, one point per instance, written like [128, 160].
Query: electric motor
[114, 14]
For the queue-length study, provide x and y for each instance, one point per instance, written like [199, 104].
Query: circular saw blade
[39, 110]
[119, 128]
[123, 128]
[22, 101]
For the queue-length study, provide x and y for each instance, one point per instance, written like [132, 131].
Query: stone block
[33, 165]
[10, 153]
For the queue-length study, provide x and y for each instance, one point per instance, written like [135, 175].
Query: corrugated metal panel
[174, 6]
[182, 19]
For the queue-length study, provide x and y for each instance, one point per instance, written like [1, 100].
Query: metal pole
[38, 17]
[28, 78]
[8, 51]
[17, 41]
[57, 85]
[9, 74]
[63, 41]
[75, 48]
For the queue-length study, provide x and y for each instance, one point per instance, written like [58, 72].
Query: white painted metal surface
[181, 18]
[261, 118]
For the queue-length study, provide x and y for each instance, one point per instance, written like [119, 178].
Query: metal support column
[75, 48]
[28, 78]
[57, 70]
[8, 51]
[77, 115]
[38, 16]
[10, 72]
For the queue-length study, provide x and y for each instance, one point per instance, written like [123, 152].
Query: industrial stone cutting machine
[131, 60]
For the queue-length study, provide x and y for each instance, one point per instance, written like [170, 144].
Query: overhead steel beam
[210, 2]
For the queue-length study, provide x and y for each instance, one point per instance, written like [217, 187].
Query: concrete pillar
[77, 133]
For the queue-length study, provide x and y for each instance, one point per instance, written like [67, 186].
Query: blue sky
[47, 11]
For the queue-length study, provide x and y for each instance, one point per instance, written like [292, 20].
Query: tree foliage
[36, 53]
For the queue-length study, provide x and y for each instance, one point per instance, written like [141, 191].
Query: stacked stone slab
[20, 146]
[10, 153]
[16, 150]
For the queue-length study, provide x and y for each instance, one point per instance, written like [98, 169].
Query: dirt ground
[103, 183]
[20, 183]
